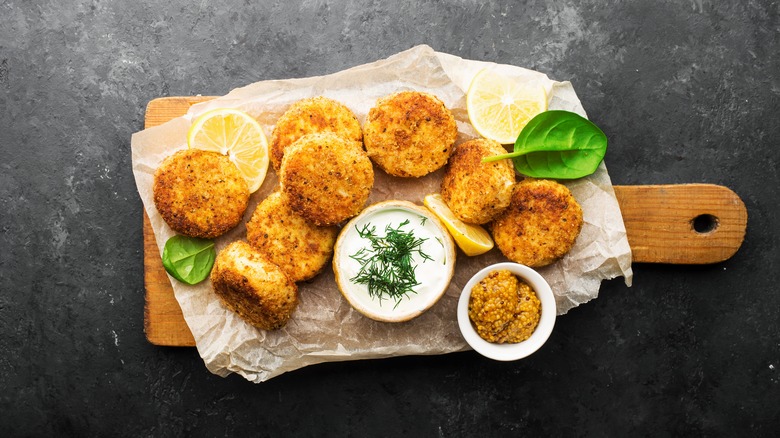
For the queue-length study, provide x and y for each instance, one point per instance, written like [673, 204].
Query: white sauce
[433, 275]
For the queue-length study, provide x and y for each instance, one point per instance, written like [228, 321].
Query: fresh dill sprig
[386, 266]
[444, 262]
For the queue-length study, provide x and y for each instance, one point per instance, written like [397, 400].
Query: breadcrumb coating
[300, 248]
[477, 192]
[200, 193]
[409, 134]
[311, 116]
[325, 178]
[253, 287]
[540, 225]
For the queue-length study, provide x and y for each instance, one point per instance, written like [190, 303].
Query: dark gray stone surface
[687, 91]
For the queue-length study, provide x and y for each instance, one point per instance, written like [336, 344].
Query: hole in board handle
[705, 223]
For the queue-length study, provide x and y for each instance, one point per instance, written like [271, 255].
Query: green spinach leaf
[558, 144]
[189, 259]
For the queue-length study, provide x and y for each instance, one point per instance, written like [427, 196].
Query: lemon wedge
[499, 107]
[236, 134]
[472, 239]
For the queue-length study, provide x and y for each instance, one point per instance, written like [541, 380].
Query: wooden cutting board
[680, 224]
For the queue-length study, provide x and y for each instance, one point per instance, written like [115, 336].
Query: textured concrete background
[686, 90]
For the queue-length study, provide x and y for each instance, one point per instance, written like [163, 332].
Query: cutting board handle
[682, 223]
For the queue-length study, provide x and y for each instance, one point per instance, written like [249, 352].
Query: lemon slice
[472, 239]
[236, 134]
[499, 107]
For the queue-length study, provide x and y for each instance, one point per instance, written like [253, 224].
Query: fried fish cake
[253, 287]
[200, 193]
[477, 192]
[409, 133]
[325, 178]
[310, 116]
[296, 245]
[540, 225]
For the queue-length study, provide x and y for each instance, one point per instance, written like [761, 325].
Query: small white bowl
[508, 352]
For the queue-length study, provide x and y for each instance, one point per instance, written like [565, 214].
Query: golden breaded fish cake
[409, 133]
[540, 225]
[326, 179]
[200, 193]
[250, 285]
[477, 192]
[310, 116]
[296, 245]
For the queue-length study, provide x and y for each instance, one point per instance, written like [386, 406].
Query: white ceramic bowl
[508, 352]
[435, 280]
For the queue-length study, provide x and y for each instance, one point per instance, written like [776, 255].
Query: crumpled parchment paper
[324, 327]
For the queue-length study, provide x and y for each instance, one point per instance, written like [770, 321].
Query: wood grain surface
[679, 224]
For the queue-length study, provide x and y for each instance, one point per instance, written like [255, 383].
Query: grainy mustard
[503, 308]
